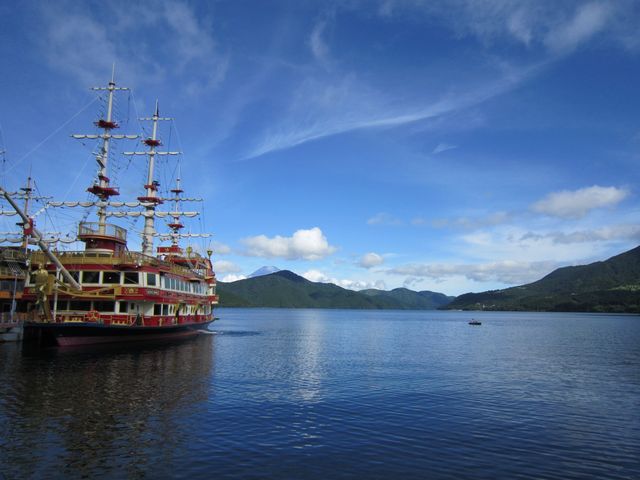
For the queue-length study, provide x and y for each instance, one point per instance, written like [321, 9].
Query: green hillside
[409, 299]
[609, 286]
[285, 289]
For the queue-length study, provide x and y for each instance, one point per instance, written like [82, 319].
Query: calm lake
[325, 394]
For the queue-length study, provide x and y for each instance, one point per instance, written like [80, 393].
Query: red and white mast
[151, 199]
[102, 189]
[176, 225]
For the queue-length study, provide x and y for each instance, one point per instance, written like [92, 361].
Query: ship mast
[176, 225]
[27, 195]
[102, 188]
[151, 199]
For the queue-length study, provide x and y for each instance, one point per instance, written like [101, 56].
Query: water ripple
[316, 394]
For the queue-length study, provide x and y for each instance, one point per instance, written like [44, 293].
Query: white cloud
[318, 276]
[232, 278]
[220, 248]
[303, 244]
[370, 260]
[577, 203]
[225, 266]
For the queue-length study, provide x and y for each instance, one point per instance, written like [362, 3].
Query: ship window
[104, 306]
[157, 309]
[165, 309]
[80, 305]
[111, 277]
[151, 279]
[75, 275]
[131, 278]
[90, 277]
[132, 307]
[63, 305]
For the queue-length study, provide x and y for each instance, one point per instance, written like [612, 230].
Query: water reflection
[87, 411]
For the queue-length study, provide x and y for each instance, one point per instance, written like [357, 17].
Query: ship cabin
[125, 288]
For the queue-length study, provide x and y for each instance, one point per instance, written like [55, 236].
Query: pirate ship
[106, 292]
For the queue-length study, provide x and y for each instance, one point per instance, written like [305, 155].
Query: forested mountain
[608, 286]
[288, 290]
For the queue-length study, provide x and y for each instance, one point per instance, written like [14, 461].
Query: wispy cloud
[588, 20]
[577, 203]
[443, 147]
[601, 234]
[507, 272]
[559, 27]
[386, 219]
[317, 44]
[336, 105]
[472, 223]
[76, 40]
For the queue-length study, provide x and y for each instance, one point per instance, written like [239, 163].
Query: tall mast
[27, 195]
[175, 225]
[102, 189]
[151, 199]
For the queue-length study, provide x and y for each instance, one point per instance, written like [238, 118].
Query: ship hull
[68, 335]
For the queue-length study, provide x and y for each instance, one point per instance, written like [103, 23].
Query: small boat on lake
[475, 322]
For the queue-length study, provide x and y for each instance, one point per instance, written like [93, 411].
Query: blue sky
[451, 146]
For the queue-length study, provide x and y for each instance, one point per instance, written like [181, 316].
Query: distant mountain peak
[264, 271]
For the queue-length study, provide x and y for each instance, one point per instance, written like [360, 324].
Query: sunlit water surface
[319, 394]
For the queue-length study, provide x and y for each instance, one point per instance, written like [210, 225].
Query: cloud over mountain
[308, 244]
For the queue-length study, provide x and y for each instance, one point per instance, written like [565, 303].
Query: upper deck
[123, 259]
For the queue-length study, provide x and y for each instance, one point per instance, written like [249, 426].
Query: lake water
[322, 394]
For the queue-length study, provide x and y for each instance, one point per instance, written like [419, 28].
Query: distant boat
[475, 322]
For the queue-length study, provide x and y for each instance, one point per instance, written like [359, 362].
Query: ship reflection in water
[86, 412]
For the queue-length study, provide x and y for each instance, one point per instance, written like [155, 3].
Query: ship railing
[13, 254]
[124, 258]
[12, 272]
[105, 230]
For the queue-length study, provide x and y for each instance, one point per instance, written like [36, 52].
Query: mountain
[286, 289]
[264, 271]
[612, 285]
[410, 299]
